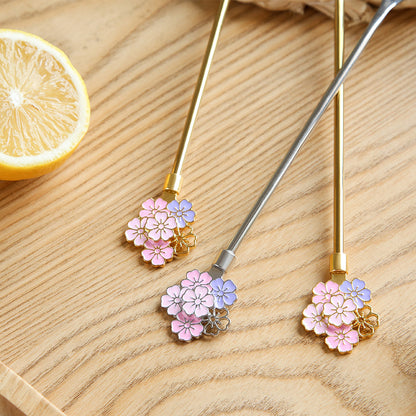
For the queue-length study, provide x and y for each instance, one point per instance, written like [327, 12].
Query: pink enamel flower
[343, 338]
[324, 291]
[172, 301]
[161, 226]
[195, 278]
[197, 301]
[340, 310]
[187, 326]
[313, 319]
[151, 207]
[136, 231]
[157, 252]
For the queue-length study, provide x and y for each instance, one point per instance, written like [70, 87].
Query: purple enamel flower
[356, 291]
[182, 212]
[223, 292]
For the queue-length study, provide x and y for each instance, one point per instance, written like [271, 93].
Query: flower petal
[229, 286]
[229, 298]
[358, 285]
[155, 234]
[160, 204]
[319, 289]
[148, 254]
[167, 252]
[329, 309]
[352, 336]
[134, 223]
[217, 284]
[189, 308]
[149, 204]
[219, 302]
[332, 342]
[130, 235]
[166, 301]
[189, 216]
[174, 309]
[185, 205]
[180, 222]
[151, 224]
[185, 334]
[201, 310]
[158, 260]
[358, 302]
[165, 234]
[344, 346]
[348, 317]
[196, 330]
[310, 311]
[189, 296]
[173, 291]
[336, 319]
[161, 216]
[337, 300]
[349, 305]
[193, 275]
[332, 287]
[320, 327]
[176, 326]
[208, 301]
[201, 291]
[309, 323]
[170, 223]
[140, 240]
[346, 287]
[173, 206]
[365, 295]
[205, 278]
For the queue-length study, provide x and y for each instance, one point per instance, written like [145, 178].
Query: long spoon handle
[174, 179]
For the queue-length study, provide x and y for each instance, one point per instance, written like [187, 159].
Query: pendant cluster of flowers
[163, 230]
[340, 313]
[199, 305]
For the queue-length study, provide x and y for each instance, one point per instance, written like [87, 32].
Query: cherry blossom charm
[340, 313]
[163, 230]
[198, 305]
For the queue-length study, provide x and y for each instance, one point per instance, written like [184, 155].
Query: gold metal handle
[338, 261]
[174, 179]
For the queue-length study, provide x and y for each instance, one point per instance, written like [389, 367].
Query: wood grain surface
[79, 311]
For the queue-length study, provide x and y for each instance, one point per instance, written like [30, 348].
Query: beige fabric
[356, 11]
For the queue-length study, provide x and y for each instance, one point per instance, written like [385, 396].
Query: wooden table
[79, 314]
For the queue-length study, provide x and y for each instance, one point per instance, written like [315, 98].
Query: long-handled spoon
[164, 224]
[199, 303]
[339, 309]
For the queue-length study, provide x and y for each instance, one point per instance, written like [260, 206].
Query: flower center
[220, 293]
[353, 294]
[187, 325]
[197, 301]
[16, 98]
[161, 226]
[157, 251]
[341, 336]
[177, 300]
[318, 318]
[327, 296]
[179, 213]
[340, 310]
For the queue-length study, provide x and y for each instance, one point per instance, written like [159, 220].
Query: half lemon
[44, 106]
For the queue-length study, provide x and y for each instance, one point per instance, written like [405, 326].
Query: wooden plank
[18, 398]
[79, 314]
